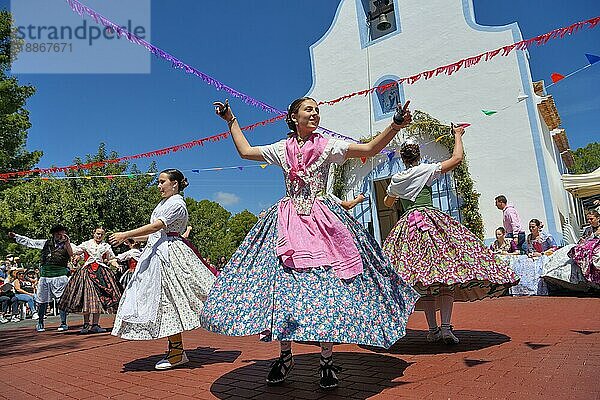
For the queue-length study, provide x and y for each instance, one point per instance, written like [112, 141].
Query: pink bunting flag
[557, 77]
[462, 125]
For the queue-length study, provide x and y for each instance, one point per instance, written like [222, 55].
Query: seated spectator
[221, 263]
[503, 246]
[11, 275]
[8, 299]
[24, 291]
[209, 262]
[538, 242]
[586, 254]
[33, 278]
[592, 218]
[2, 270]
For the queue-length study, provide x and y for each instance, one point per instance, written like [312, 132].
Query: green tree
[238, 227]
[209, 227]
[14, 118]
[215, 232]
[587, 159]
[80, 203]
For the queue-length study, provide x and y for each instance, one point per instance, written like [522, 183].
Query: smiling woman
[167, 290]
[308, 245]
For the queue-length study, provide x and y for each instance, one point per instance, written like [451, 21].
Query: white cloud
[226, 199]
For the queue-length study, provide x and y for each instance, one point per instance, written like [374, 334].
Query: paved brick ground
[511, 348]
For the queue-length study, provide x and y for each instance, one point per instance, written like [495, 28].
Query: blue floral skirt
[256, 294]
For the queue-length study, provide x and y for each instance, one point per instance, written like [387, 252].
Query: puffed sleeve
[172, 212]
[550, 242]
[271, 152]
[436, 171]
[338, 151]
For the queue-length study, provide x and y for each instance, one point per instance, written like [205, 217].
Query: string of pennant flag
[556, 78]
[134, 175]
[448, 69]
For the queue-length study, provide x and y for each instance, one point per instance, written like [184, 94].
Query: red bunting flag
[557, 77]
[363, 159]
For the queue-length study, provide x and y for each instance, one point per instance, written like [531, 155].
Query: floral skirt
[439, 251]
[256, 294]
[185, 283]
[92, 289]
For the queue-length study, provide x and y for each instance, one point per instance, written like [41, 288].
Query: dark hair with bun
[537, 222]
[175, 175]
[410, 154]
[292, 109]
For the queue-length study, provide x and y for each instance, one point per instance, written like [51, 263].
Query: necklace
[301, 141]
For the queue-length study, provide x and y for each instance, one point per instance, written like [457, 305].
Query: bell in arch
[383, 24]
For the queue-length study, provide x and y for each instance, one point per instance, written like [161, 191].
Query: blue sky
[260, 48]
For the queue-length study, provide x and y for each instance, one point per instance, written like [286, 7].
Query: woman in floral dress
[308, 271]
[440, 257]
[167, 290]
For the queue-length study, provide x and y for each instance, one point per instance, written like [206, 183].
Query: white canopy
[583, 185]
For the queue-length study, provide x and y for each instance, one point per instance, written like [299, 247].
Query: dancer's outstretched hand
[458, 130]
[117, 238]
[402, 116]
[223, 110]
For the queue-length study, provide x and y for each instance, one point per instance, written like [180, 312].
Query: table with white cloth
[530, 270]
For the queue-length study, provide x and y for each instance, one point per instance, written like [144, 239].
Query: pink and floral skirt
[429, 249]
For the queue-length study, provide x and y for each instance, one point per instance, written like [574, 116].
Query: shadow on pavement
[199, 357]
[414, 343]
[22, 340]
[363, 375]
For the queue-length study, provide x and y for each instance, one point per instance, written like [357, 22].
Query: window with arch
[385, 101]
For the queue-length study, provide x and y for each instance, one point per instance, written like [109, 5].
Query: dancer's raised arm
[246, 151]
[457, 153]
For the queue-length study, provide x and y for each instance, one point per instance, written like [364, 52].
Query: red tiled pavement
[511, 348]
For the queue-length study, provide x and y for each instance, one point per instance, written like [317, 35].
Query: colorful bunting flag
[556, 77]
[363, 159]
[263, 166]
[391, 155]
[592, 58]
[489, 112]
